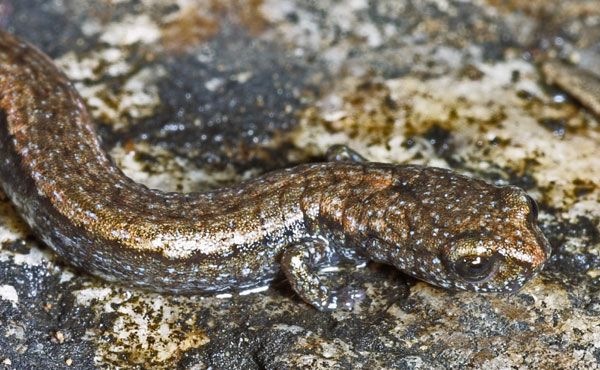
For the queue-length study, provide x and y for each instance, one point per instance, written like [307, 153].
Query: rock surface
[190, 95]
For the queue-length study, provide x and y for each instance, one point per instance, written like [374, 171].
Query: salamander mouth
[541, 254]
[547, 247]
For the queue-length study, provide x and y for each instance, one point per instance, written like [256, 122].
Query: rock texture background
[190, 95]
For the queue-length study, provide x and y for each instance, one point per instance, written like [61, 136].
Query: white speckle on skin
[254, 290]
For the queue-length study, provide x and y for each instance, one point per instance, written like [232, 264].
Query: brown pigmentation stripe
[450, 230]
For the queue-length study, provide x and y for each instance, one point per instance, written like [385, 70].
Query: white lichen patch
[35, 257]
[66, 275]
[85, 297]
[148, 329]
[11, 227]
[9, 293]
[169, 173]
[78, 68]
[132, 29]
[137, 93]
[137, 98]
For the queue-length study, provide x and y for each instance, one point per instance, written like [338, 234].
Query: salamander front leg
[342, 153]
[300, 264]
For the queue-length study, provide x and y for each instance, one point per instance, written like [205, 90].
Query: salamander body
[434, 224]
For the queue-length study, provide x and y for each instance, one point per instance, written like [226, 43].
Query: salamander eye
[533, 207]
[474, 268]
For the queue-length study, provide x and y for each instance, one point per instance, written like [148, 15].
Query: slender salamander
[434, 224]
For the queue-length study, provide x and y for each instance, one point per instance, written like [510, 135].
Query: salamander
[434, 224]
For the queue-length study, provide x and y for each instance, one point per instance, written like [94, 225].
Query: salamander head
[462, 233]
[505, 251]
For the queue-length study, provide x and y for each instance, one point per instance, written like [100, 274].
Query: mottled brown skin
[434, 224]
